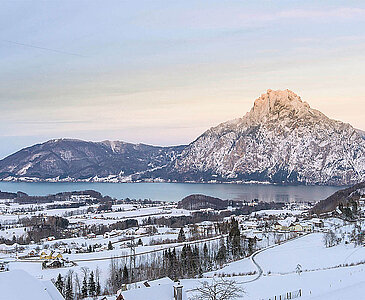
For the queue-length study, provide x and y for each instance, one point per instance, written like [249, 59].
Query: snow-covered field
[333, 284]
[321, 278]
[310, 253]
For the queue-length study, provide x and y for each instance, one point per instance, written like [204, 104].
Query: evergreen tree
[110, 246]
[125, 277]
[92, 287]
[206, 259]
[251, 245]
[222, 253]
[68, 290]
[184, 261]
[235, 239]
[196, 268]
[181, 237]
[98, 288]
[174, 265]
[140, 243]
[84, 290]
[59, 283]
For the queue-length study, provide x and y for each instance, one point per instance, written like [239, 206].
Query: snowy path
[258, 267]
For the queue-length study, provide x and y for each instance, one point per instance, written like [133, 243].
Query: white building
[18, 284]
[160, 289]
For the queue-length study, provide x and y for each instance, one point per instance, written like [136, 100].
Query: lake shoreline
[177, 191]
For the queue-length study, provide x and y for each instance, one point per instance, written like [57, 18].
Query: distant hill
[23, 198]
[7, 195]
[198, 201]
[341, 196]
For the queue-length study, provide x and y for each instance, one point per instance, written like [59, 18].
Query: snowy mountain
[67, 159]
[281, 140]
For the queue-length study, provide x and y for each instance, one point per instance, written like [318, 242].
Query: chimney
[178, 292]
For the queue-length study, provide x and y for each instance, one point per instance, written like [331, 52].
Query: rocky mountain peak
[277, 103]
[280, 140]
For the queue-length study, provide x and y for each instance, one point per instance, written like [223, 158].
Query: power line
[42, 48]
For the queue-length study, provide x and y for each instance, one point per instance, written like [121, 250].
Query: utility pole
[132, 247]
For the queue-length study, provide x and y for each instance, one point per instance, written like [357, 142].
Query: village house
[7, 249]
[291, 224]
[301, 227]
[31, 253]
[130, 231]
[49, 254]
[91, 235]
[111, 234]
[206, 227]
[247, 225]
[317, 223]
[160, 289]
[284, 225]
[45, 254]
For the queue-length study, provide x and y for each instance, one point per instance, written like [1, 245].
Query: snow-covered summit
[274, 103]
[281, 140]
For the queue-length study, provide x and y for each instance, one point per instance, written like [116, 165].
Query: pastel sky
[162, 72]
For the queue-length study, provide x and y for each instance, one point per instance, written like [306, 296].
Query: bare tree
[218, 289]
[77, 286]
[330, 239]
[85, 271]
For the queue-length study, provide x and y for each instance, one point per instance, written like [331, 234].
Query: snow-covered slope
[68, 159]
[281, 140]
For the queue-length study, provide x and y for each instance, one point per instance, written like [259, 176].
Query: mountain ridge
[280, 140]
[77, 160]
[274, 142]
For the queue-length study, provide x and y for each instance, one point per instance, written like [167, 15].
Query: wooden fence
[287, 296]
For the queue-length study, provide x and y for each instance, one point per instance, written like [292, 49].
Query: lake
[177, 191]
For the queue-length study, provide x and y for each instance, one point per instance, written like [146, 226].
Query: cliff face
[281, 140]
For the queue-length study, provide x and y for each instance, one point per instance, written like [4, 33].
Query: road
[259, 268]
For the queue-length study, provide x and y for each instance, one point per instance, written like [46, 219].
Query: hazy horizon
[162, 72]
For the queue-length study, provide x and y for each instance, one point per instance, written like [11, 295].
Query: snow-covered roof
[157, 282]
[305, 223]
[287, 222]
[31, 288]
[164, 280]
[5, 247]
[316, 220]
[158, 292]
[206, 223]
[46, 251]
